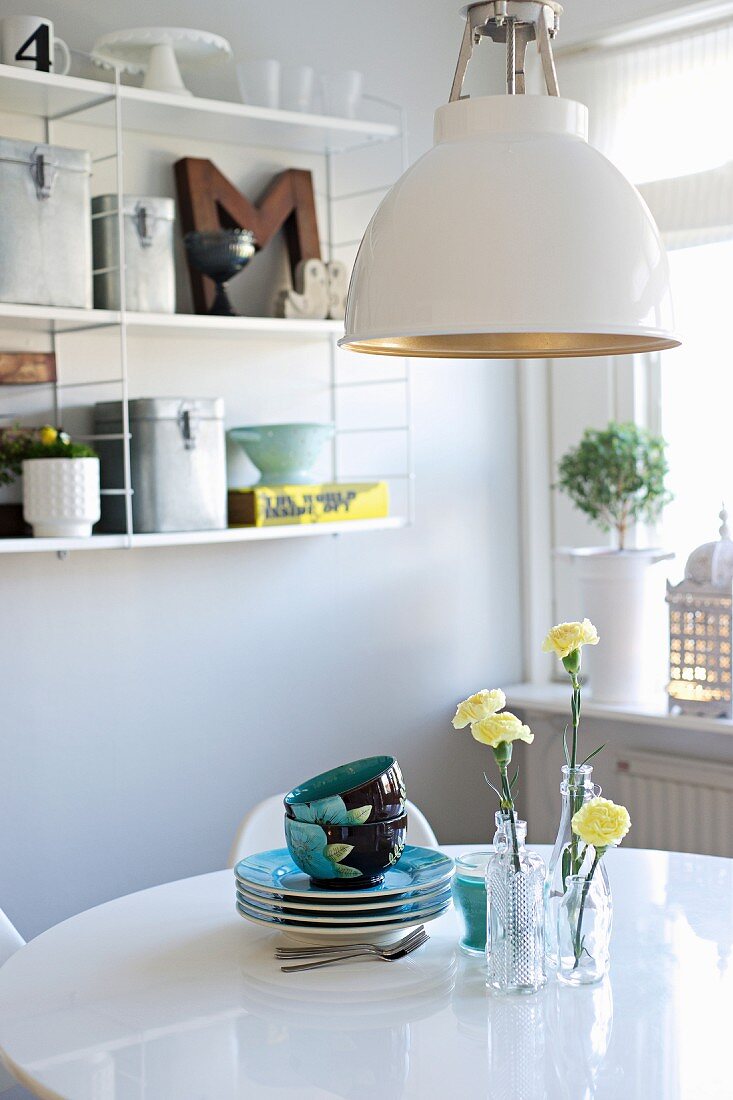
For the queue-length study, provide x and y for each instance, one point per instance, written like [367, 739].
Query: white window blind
[663, 112]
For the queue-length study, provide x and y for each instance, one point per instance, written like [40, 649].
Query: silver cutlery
[386, 954]
[305, 952]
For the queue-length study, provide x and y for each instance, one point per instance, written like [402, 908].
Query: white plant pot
[61, 496]
[622, 593]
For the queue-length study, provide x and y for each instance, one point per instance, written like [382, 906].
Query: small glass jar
[515, 945]
[584, 930]
[576, 789]
[469, 896]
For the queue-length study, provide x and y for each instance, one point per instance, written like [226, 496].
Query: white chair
[262, 829]
[10, 938]
[10, 941]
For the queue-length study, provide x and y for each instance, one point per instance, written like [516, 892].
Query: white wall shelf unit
[119, 111]
[94, 102]
[199, 538]
[59, 321]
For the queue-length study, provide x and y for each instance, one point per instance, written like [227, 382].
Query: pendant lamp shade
[512, 238]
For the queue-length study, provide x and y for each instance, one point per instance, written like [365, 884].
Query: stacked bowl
[347, 826]
[347, 872]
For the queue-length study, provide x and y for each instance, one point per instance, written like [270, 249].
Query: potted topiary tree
[616, 477]
[60, 480]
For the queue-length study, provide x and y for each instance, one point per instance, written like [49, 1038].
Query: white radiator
[676, 803]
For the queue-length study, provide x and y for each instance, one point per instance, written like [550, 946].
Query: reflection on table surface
[169, 994]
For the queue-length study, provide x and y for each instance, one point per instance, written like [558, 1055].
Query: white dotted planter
[622, 593]
[61, 496]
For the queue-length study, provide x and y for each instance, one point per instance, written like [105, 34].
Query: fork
[387, 954]
[342, 948]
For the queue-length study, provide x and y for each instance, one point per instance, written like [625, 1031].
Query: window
[659, 110]
[697, 396]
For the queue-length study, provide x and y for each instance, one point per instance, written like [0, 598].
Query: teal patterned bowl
[346, 857]
[367, 790]
[283, 453]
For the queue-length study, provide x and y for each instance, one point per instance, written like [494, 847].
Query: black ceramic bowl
[220, 253]
[362, 792]
[346, 857]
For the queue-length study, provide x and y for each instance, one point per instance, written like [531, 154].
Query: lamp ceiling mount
[515, 23]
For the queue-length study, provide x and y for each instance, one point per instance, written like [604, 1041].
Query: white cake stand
[158, 51]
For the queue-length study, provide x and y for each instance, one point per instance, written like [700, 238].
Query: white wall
[150, 697]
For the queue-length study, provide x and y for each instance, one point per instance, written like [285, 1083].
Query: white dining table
[169, 994]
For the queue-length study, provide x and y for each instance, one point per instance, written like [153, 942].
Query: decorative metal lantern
[700, 634]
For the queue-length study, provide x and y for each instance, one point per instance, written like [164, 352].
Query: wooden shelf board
[59, 320]
[198, 324]
[54, 318]
[199, 538]
[45, 95]
[57, 546]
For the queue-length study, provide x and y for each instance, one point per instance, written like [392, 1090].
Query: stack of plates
[274, 893]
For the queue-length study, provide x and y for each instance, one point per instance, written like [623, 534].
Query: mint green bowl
[283, 453]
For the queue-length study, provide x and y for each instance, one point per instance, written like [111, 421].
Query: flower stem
[575, 801]
[575, 706]
[577, 949]
[512, 821]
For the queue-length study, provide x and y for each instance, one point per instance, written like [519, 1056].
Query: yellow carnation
[498, 729]
[48, 435]
[479, 706]
[601, 822]
[567, 637]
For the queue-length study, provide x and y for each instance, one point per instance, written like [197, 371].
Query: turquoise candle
[469, 895]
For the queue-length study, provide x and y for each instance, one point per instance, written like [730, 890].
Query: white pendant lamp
[513, 237]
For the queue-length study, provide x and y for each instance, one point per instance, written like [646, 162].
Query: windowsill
[555, 699]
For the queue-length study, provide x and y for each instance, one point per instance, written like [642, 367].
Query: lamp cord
[511, 62]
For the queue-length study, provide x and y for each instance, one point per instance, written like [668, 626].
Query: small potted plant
[616, 477]
[60, 480]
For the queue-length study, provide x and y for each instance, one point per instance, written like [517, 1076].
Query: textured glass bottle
[515, 943]
[584, 930]
[576, 788]
[469, 889]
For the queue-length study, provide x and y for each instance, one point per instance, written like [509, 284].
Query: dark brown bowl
[362, 792]
[345, 857]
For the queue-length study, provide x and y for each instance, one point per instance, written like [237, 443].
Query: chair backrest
[10, 938]
[10, 941]
[262, 829]
[419, 829]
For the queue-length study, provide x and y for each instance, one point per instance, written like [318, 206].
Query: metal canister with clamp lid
[45, 236]
[147, 227]
[177, 463]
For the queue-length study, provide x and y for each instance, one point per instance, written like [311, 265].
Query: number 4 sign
[28, 41]
[41, 40]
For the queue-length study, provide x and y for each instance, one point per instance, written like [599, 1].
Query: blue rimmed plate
[388, 905]
[416, 911]
[275, 873]
[326, 928]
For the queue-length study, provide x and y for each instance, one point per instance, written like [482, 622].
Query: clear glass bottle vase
[576, 788]
[584, 929]
[515, 944]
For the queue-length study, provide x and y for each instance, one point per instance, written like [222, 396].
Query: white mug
[28, 41]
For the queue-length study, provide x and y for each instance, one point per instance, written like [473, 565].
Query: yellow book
[278, 505]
